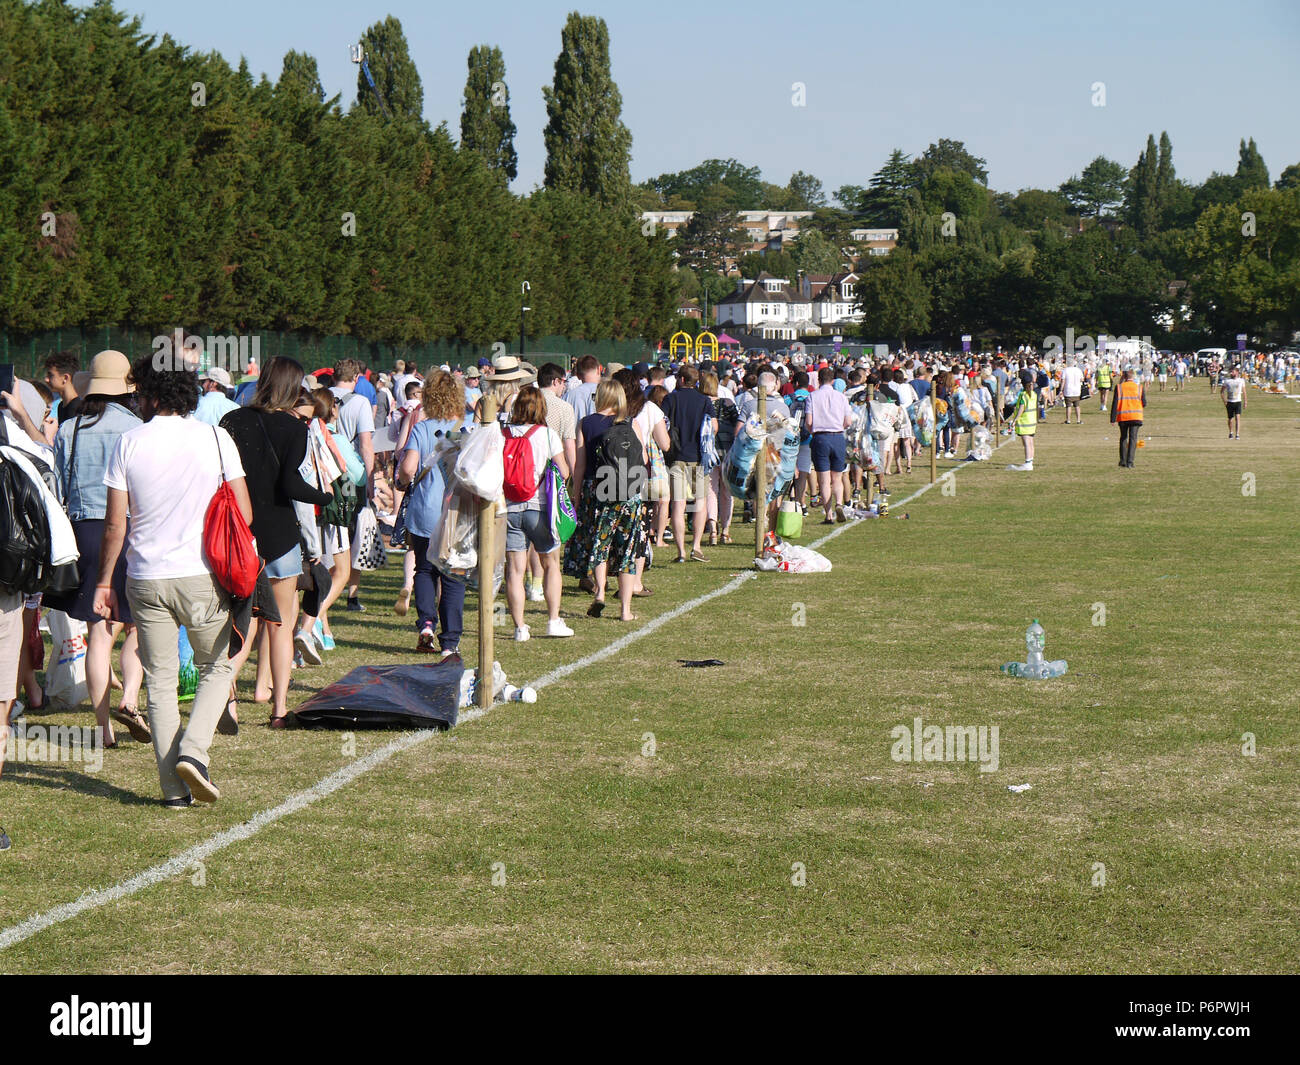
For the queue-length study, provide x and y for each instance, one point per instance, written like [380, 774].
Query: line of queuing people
[138, 453]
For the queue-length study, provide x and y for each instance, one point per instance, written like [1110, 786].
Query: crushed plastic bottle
[1035, 666]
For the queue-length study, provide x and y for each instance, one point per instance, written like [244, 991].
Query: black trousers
[1128, 441]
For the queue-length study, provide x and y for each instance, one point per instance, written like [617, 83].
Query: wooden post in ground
[997, 414]
[487, 524]
[760, 476]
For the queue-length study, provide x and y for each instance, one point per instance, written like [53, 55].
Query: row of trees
[1132, 250]
[148, 185]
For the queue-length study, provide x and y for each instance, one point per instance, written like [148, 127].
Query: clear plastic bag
[480, 466]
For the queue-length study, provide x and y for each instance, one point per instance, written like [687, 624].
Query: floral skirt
[613, 533]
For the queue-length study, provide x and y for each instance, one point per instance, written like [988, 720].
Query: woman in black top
[272, 443]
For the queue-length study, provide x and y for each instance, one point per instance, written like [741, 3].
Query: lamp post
[524, 289]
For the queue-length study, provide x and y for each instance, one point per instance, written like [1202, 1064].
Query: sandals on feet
[135, 723]
[228, 724]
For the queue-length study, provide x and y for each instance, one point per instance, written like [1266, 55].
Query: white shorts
[334, 541]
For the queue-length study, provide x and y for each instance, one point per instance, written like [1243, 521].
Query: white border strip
[173, 867]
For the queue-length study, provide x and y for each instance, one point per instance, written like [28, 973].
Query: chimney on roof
[740, 284]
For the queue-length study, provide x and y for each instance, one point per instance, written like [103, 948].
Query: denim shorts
[287, 565]
[529, 527]
[829, 452]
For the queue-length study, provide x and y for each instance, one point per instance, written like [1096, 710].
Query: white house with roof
[773, 308]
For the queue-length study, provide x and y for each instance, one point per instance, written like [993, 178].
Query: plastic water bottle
[1035, 641]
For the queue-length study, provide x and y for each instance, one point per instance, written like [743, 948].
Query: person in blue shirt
[365, 388]
[215, 403]
[439, 596]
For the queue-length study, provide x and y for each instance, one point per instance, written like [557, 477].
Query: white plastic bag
[65, 679]
[480, 466]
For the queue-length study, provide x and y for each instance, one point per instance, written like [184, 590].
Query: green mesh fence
[27, 352]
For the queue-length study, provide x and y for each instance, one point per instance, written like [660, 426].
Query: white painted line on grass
[173, 867]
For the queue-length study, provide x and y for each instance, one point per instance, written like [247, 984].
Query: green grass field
[613, 861]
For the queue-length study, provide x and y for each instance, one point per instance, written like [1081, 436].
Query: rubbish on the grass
[982, 450]
[702, 663]
[502, 690]
[406, 697]
[791, 558]
[1035, 667]
[1018, 788]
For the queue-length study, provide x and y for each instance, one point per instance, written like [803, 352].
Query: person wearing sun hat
[507, 376]
[83, 447]
[473, 391]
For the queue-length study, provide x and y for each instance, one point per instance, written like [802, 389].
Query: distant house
[689, 309]
[874, 241]
[764, 229]
[772, 307]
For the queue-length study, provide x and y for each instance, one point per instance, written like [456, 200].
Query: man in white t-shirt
[1233, 393]
[1072, 392]
[166, 472]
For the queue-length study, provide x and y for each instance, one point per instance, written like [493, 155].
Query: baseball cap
[213, 373]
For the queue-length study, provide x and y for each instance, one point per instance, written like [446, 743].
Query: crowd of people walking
[606, 472]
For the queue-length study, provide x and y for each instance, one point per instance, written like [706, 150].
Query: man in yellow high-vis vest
[1103, 380]
[1024, 418]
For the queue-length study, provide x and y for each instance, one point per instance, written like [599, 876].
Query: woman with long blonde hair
[439, 597]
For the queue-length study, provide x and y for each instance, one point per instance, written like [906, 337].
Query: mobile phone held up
[6, 379]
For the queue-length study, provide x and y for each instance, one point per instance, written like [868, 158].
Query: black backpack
[25, 529]
[620, 464]
[728, 419]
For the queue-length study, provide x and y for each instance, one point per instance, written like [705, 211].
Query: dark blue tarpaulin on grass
[400, 697]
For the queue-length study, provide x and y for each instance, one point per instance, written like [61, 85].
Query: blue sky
[1012, 79]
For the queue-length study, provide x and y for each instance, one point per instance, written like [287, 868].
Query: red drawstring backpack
[228, 541]
[521, 473]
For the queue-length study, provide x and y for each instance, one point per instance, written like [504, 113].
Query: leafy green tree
[389, 60]
[951, 155]
[1249, 281]
[805, 192]
[485, 124]
[1142, 204]
[1251, 171]
[1098, 189]
[776, 263]
[587, 145]
[890, 192]
[746, 190]
[1289, 178]
[1038, 208]
[893, 298]
[711, 237]
[814, 253]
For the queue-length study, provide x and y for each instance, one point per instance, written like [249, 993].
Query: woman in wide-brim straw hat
[509, 374]
[83, 447]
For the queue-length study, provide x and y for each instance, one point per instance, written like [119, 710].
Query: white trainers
[1026, 467]
[522, 635]
[534, 591]
[557, 627]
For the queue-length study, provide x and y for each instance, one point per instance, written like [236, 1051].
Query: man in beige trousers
[165, 472]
